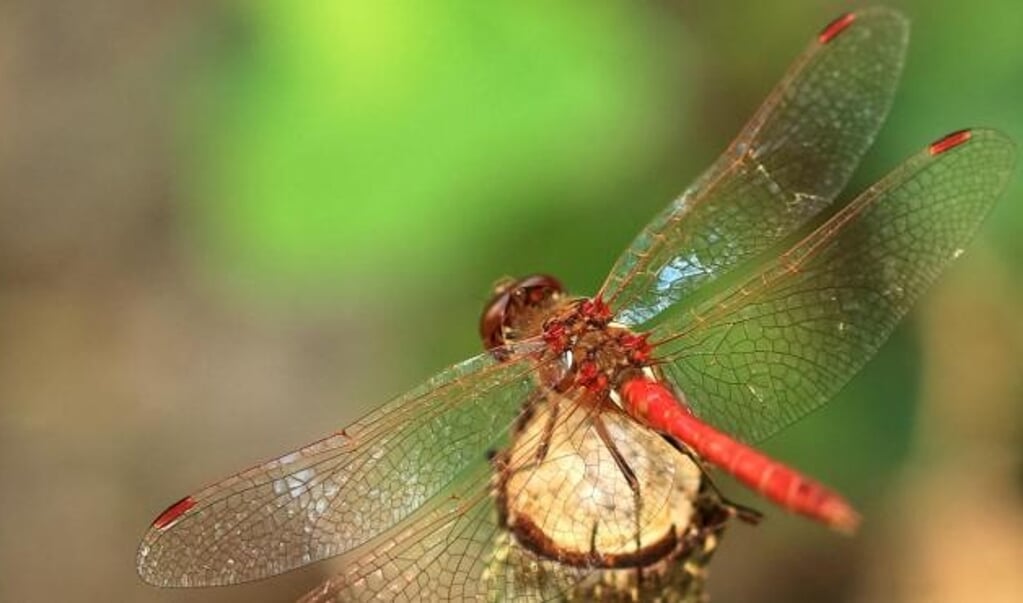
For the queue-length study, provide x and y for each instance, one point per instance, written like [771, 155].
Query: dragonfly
[578, 445]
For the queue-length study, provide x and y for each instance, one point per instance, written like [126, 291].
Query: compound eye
[511, 297]
[537, 288]
[492, 321]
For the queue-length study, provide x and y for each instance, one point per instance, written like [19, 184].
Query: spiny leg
[743, 512]
[623, 466]
[548, 430]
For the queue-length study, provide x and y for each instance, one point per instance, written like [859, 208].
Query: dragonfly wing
[458, 549]
[766, 352]
[421, 561]
[788, 163]
[335, 494]
[454, 551]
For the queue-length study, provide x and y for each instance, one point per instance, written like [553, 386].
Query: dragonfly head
[516, 309]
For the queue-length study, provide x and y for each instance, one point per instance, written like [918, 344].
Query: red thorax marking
[656, 406]
[949, 141]
[831, 30]
[639, 349]
[590, 377]
[596, 309]
[554, 336]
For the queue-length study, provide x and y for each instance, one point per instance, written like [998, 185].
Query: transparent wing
[459, 549]
[340, 492]
[765, 353]
[788, 163]
[428, 558]
[452, 552]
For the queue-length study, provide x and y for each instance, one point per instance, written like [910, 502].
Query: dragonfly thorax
[594, 352]
[599, 354]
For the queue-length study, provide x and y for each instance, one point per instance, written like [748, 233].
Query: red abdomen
[656, 406]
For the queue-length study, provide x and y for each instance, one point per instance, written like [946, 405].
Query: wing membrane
[767, 352]
[336, 494]
[453, 552]
[788, 163]
[457, 550]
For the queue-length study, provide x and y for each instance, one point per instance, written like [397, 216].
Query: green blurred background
[228, 228]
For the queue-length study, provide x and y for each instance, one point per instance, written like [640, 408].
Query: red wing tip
[831, 30]
[173, 513]
[949, 141]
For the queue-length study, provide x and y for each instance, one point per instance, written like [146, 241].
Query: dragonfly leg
[745, 513]
[548, 430]
[623, 466]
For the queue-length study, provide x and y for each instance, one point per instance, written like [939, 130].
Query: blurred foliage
[357, 139]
